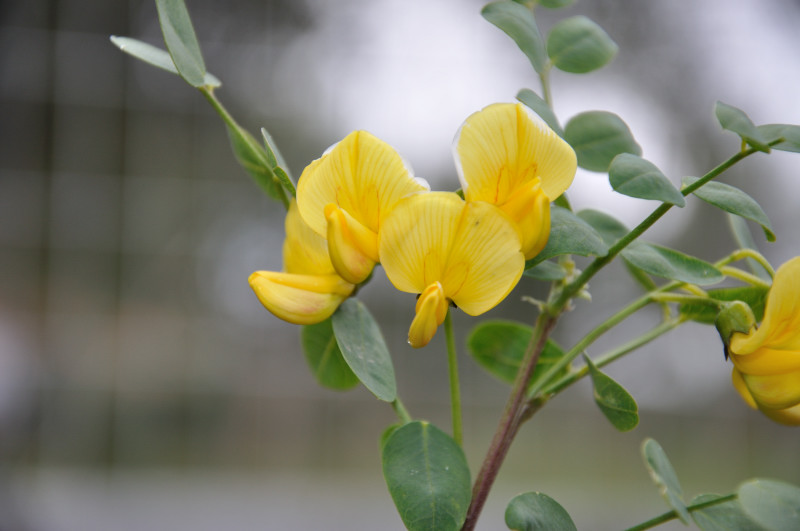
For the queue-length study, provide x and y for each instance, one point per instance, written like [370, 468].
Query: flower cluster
[766, 359]
[359, 205]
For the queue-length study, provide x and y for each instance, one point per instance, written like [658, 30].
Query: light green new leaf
[155, 57]
[578, 45]
[499, 346]
[324, 357]
[668, 263]
[547, 271]
[664, 477]
[597, 137]
[724, 516]
[733, 200]
[540, 107]
[517, 22]
[753, 296]
[364, 349]
[736, 121]
[427, 476]
[614, 401]
[772, 504]
[634, 176]
[181, 41]
[569, 234]
[789, 133]
[534, 511]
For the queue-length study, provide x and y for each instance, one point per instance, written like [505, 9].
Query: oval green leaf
[252, 157]
[578, 45]
[518, 22]
[664, 477]
[324, 357]
[753, 296]
[608, 227]
[499, 346]
[155, 56]
[554, 4]
[540, 107]
[634, 176]
[772, 504]
[669, 263]
[744, 239]
[789, 133]
[724, 516]
[733, 200]
[534, 511]
[274, 156]
[735, 120]
[597, 137]
[427, 476]
[364, 349]
[617, 404]
[181, 41]
[546, 271]
[569, 234]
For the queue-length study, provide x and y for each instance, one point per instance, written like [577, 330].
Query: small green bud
[735, 316]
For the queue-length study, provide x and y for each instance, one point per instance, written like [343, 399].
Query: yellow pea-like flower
[346, 194]
[506, 155]
[767, 359]
[445, 249]
[308, 290]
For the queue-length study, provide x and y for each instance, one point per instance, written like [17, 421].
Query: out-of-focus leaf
[155, 56]
[578, 45]
[669, 263]
[744, 239]
[724, 516]
[569, 234]
[518, 22]
[274, 155]
[324, 357]
[181, 41]
[736, 121]
[617, 404]
[733, 200]
[534, 511]
[597, 137]
[547, 271]
[540, 107]
[772, 504]
[252, 157]
[753, 296]
[790, 134]
[664, 477]
[634, 176]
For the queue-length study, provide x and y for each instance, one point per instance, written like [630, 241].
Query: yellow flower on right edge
[507, 156]
[767, 359]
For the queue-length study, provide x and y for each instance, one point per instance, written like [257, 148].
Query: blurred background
[142, 385]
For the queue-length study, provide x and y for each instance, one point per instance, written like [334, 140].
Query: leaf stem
[455, 388]
[672, 515]
[744, 276]
[400, 410]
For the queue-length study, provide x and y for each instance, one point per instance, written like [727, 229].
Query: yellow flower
[437, 245]
[507, 156]
[346, 194]
[309, 290]
[767, 359]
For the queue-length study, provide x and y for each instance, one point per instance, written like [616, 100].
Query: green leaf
[733, 200]
[428, 477]
[578, 45]
[518, 22]
[772, 504]
[252, 157]
[664, 477]
[155, 57]
[324, 357]
[181, 41]
[669, 263]
[534, 511]
[609, 228]
[540, 107]
[555, 4]
[364, 349]
[736, 121]
[273, 154]
[789, 133]
[569, 234]
[753, 296]
[546, 271]
[597, 137]
[744, 239]
[614, 401]
[724, 516]
[499, 346]
[634, 176]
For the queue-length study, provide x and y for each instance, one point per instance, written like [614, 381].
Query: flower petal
[505, 145]
[789, 416]
[777, 391]
[299, 299]
[430, 311]
[766, 361]
[741, 387]
[353, 248]
[529, 208]
[362, 175]
[304, 251]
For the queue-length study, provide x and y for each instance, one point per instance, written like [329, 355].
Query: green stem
[544, 77]
[682, 298]
[742, 254]
[401, 411]
[672, 515]
[455, 388]
[744, 276]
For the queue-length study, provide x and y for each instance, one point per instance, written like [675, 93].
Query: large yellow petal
[299, 299]
[766, 361]
[741, 388]
[780, 328]
[777, 391]
[485, 261]
[362, 175]
[304, 251]
[789, 416]
[529, 208]
[415, 240]
[505, 145]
